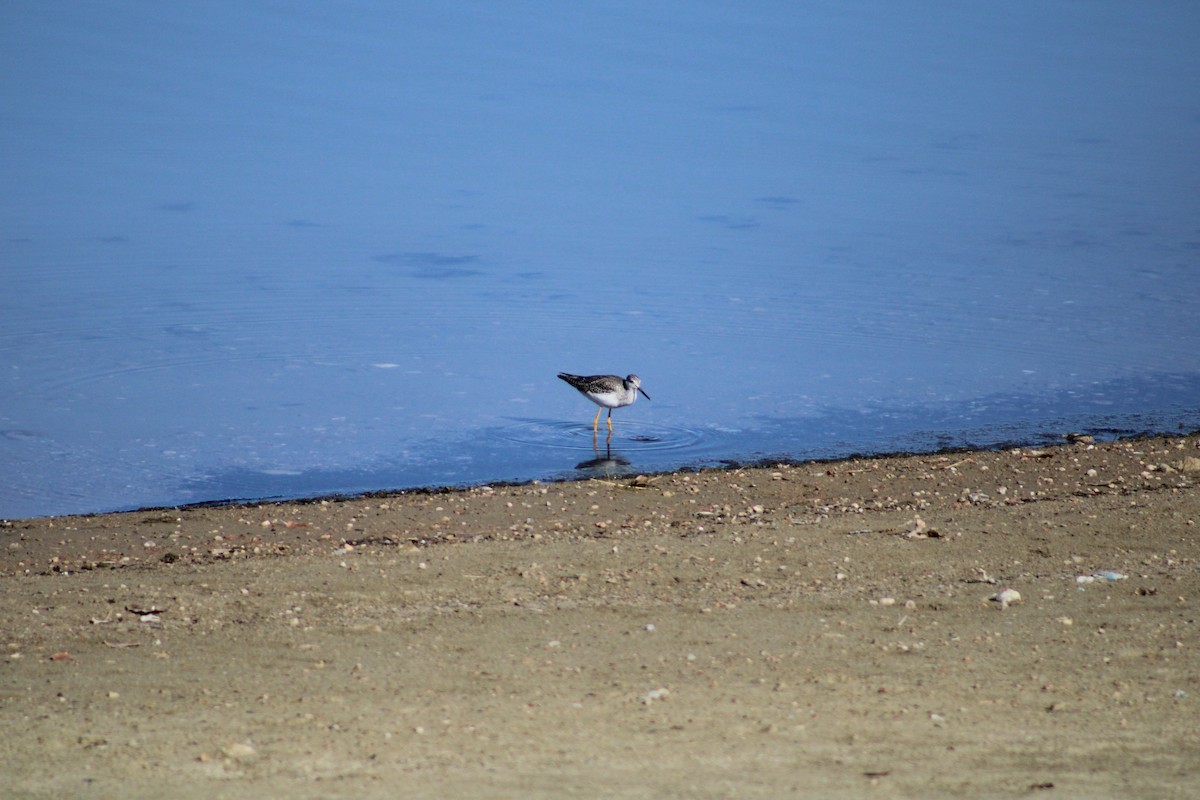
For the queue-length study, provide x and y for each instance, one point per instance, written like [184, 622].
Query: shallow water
[259, 252]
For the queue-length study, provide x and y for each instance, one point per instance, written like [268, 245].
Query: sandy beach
[979, 624]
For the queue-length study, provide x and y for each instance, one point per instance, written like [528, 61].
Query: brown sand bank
[817, 630]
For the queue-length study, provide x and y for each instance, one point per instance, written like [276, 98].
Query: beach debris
[1109, 576]
[983, 577]
[919, 529]
[915, 529]
[145, 611]
[957, 464]
[1006, 598]
[1189, 464]
[660, 693]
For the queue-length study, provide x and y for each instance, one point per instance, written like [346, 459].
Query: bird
[606, 391]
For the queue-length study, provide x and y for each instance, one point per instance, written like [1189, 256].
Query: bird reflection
[605, 461]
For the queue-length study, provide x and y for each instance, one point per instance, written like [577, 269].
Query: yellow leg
[596, 421]
[610, 422]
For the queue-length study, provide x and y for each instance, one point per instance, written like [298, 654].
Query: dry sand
[814, 630]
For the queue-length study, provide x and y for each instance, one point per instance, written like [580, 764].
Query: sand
[821, 629]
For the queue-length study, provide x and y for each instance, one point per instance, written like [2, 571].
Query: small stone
[655, 694]
[1006, 598]
[240, 751]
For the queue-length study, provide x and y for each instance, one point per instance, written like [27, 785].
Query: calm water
[264, 250]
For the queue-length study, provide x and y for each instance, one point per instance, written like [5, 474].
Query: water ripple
[628, 437]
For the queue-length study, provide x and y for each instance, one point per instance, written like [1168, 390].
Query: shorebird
[606, 391]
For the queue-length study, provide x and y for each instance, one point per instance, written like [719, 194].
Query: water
[261, 250]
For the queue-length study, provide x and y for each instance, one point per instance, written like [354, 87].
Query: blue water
[256, 250]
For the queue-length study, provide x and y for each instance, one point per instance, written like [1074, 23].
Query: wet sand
[817, 629]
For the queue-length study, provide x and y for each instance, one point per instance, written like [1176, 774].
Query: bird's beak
[643, 393]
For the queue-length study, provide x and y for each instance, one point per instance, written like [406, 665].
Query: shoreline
[756, 631]
[1039, 441]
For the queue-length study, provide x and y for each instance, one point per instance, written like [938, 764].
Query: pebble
[240, 751]
[1006, 598]
[660, 693]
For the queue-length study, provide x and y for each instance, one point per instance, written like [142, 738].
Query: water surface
[255, 251]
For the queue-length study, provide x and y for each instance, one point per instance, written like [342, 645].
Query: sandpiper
[606, 391]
